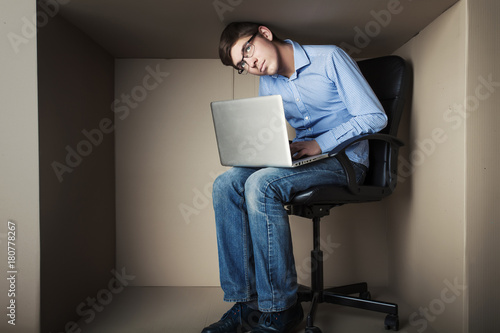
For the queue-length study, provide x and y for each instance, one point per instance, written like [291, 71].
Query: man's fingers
[304, 148]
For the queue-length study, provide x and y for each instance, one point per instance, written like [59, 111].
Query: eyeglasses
[247, 52]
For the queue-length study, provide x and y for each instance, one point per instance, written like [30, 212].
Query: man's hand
[304, 148]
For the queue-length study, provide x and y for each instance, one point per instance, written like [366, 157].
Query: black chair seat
[334, 195]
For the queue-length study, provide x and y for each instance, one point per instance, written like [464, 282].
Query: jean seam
[245, 247]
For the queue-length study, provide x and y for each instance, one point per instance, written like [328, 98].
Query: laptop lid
[252, 132]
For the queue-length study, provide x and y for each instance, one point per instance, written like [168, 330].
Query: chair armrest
[339, 153]
[375, 136]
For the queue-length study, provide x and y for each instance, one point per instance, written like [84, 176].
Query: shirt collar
[299, 56]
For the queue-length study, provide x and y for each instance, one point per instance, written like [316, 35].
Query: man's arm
[367, 113]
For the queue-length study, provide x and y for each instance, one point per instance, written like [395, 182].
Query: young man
[327, 101]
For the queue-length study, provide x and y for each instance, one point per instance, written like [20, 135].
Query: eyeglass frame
[241, 70]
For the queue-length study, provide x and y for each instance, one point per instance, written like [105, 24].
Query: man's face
[264, 60]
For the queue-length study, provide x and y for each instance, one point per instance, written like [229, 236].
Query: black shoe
[240, 318]
[280, 322]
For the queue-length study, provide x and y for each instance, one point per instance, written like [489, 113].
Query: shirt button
[298, 99]
[307, 118]
[309, 129]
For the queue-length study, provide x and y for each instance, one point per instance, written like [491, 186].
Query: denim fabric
[253, 233]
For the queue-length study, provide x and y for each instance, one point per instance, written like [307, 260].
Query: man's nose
[252, 61]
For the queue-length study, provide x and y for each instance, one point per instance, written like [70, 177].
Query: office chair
[389, 78]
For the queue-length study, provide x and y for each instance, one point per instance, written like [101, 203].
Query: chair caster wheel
[312, 329]
[365, 295]
[391, 322]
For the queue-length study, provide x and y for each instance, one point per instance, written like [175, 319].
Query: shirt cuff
[327, 142]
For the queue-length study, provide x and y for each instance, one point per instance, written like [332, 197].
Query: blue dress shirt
[327, 99]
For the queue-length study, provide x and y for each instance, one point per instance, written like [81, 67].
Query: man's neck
[287, 63]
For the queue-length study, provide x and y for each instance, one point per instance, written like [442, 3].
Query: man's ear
[266, 33]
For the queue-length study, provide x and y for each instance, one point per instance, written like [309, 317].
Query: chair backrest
[389, 77]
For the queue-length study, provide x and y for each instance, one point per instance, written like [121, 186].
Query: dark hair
[231, 34]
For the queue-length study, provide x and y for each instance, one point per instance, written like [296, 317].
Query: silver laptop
[251, 132]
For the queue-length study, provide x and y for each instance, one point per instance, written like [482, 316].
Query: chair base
[341, 296]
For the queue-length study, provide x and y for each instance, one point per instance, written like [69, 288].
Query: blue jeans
[256, 260]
